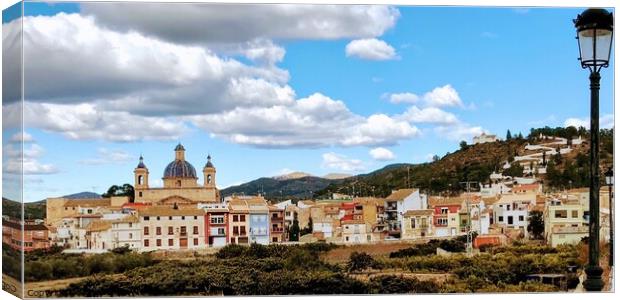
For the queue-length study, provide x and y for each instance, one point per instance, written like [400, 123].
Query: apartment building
[417, 224]
[217, 220]
[172, 228]
[566, 222]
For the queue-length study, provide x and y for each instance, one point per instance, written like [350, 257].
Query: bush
[360, 261]
[390, 284]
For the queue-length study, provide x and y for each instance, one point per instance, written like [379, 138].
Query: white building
[512, 211]
[400, 201]
[354, 232]
[485, 138]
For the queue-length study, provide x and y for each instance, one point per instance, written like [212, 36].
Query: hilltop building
[180, 183]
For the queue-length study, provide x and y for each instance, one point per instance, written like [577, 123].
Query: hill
[36, 210]
[278, 189]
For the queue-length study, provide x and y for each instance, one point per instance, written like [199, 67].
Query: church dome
[180, 169]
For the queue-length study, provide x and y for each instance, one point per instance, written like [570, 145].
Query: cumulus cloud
[340, 162]
[108, 156]
[371, 49]
[237, 23]
[444, 96]
[313, 121]
[16, 161]
[382, 154]
[459, 132]
[605, 121]
[429, 115]
[22, 137]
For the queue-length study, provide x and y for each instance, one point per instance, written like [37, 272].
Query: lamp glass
[591, 38]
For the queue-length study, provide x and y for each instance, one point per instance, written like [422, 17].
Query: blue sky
[476, 69]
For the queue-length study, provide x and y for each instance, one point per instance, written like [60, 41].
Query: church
[180, 183]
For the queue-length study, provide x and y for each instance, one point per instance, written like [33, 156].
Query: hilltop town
[187, 215]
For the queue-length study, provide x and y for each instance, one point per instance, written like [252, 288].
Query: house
[511, 211]
[566, 222]
[490, 239]
[216, 224]
[397, 203]
[33, 236]
[417, 224]
[239, 221]
[276, 224]
[446, 215]
[172, 228]
[258, 220]
[485, 138]
[354, 232]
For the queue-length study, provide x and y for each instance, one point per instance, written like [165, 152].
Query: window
[521, 218]
[235, 218]
[146, 243]
[170, 230]
[183, 230]
[561, 214]
[158, 230]
[139, 194]
[158, 242]
[90, 211]
[145, 218]
[195, 242]
[158, 218]
[182, 217]
[347, 238]
[507, 207]
[195, 217]
[195, 229]
[140, 179]
[170, 242]
[131, 235]
[130, 225]
[242, 230]
[500, 219]
[274, 215]
[209, 179]
[412, 222]
[442, 221]
[217, 220]
[444, 210]
[178, 183]
[510, 220]
[170, 218]
[235, 230]
[574, 214]
[242, 218]
[274, 240]
[220, 231]
[146, 231]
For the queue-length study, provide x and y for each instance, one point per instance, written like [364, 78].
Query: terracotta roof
[400, 194]
[169, 211]
[127, 219]
[527, 187]
[353, 222]
[420, 212]
[27, 226]
[99, 225]
[435, 201]
[87, 202]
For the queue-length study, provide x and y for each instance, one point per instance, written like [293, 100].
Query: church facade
[181, 184]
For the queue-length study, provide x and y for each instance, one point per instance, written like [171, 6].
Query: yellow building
[180, 183]
[417, 224]
[565, 222]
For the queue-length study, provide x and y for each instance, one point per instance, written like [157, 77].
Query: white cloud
[402, 98]
[429, 115]
[108, 156]
[313, 121]
[459, 132]
[339, 162]
[233, 23]
[86, 122]
[27, 162]
[22, 137]
[444, 96]
[382, 154]
[605, 121]
[371, 49]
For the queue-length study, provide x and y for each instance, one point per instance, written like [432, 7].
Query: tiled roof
[87, 202]
[400, 194]
[169, 211]
[419, 212]
[435, 201]
[99, 225]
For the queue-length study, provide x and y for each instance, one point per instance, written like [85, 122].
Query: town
[187, 215]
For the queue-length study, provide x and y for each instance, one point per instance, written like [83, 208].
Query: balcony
[277, 219]
[277, 230]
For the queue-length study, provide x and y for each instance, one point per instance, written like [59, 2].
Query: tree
[360, 261]
[536, 224]
[515, 170]
[463, 145]
[435, 157]
[294, 230]
[123, 190]
[508, 135]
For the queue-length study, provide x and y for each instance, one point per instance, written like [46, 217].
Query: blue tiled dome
[180, 169]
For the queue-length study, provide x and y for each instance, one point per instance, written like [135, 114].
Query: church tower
[141, 178]
[209, 173]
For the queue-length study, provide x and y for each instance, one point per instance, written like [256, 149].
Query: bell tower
[209, 173]
[141, 179]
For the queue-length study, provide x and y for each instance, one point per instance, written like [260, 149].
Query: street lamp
[594, 34]
[609, 179]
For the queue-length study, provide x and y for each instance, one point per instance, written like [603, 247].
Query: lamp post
[594, 34]
[609, 179]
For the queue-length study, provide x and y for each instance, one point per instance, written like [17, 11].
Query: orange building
[35, 236]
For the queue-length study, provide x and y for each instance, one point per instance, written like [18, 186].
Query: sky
[267, 89]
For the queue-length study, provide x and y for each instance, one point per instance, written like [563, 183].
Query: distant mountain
[293, 175]
[280, 189]
[83, 195]
[32, 210]
[337, 176]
